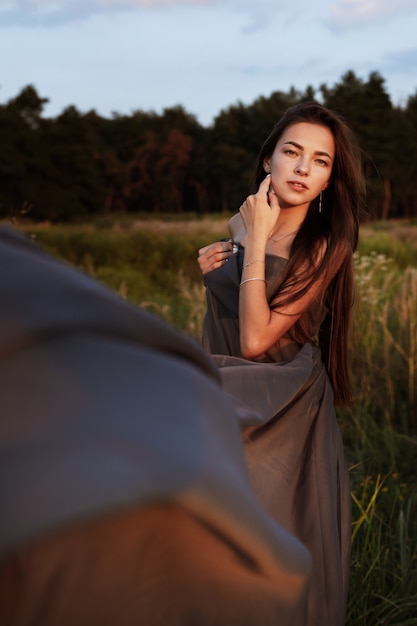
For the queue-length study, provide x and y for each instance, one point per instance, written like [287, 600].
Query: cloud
[51, 12]
[348, 14]
[55, 5]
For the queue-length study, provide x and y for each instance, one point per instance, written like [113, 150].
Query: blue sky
[124, 55]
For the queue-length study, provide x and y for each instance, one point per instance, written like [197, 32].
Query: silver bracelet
[250, 263]
[249, 279]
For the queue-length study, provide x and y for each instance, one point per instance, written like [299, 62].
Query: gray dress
[293, 446]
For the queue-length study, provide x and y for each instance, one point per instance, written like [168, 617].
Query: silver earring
[321, 202]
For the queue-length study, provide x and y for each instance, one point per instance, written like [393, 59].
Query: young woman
[279, 295]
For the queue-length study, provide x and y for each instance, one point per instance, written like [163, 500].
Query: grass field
[153, 264]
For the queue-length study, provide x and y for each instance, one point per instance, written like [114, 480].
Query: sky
[120, 56]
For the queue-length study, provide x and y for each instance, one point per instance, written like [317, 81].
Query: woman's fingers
[265, 185]
[273, 200]
[214, 255]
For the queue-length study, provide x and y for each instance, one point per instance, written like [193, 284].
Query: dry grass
[204, 226]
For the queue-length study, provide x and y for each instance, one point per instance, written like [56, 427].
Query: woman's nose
[301, 168]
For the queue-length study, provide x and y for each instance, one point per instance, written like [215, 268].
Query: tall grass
[384, 341]
[380, 435]
[384, 553]
[154, 265]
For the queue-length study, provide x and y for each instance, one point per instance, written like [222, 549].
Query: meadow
[152, 263]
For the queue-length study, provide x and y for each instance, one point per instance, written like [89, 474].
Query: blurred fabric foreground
[123, 492]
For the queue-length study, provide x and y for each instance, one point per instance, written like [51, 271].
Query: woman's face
[301, 164]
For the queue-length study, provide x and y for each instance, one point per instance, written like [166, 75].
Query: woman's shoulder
[237, 228]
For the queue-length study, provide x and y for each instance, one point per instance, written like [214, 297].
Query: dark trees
[78, 165]
[368, 110]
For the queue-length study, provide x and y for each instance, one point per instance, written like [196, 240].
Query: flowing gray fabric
[293, 446]
[124, 497]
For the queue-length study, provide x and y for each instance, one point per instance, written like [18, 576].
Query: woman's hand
[261, 210]
[215, 255]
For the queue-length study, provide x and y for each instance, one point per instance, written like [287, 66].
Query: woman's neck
[289, 221]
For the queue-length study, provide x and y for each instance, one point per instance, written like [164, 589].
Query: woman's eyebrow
[317, 152]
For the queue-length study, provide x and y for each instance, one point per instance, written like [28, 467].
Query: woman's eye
[290, 152]
[322, 162]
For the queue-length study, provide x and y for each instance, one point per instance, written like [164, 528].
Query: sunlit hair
[324, 246]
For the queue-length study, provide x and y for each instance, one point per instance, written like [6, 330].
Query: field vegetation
[152, 263]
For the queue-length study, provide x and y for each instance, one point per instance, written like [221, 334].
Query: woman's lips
[297, 185]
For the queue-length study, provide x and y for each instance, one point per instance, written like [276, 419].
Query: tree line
[79, 165]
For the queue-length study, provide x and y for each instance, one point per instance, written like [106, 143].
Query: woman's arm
[261, 327]
[216, 254]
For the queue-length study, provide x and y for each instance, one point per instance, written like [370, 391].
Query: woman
[279, 296]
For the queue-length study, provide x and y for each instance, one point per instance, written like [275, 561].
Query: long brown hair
[337, 226]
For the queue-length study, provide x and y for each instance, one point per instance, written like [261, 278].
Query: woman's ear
[267, 165]
[326, 185]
